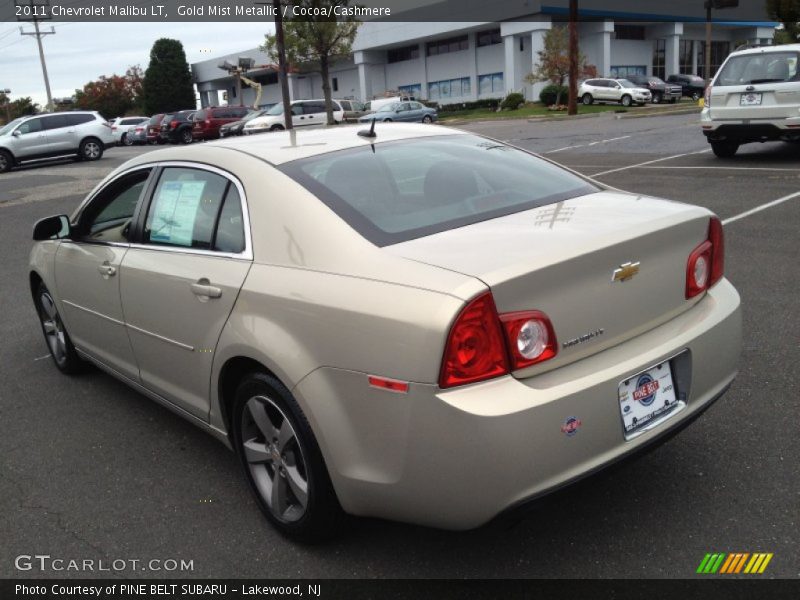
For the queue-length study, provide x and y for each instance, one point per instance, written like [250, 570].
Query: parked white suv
[34, 137]
[613, 90]
[304, 113]
[122, 126]
[755, 97]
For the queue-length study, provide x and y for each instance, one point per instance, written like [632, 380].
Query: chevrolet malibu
[413, 323]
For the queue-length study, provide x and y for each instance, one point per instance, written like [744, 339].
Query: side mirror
[17, 133]
[51, 227]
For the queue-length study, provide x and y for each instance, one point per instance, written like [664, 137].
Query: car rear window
[199, 115]
[764, 67]
[398, 191]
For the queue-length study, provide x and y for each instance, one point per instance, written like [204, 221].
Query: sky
[82, 52]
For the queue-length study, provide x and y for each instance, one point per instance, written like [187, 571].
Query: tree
[319, 39]
[788, 13]
[20, 107]
[110, 96]
[553, 65]
[167, 85]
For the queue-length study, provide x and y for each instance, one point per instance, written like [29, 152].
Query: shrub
[548, 94]
[512, 101]
[492, 103]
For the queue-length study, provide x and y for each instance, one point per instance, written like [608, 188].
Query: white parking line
[709, 167]
[752, 211]
[624, 137]
[41, 357]
[648, 162]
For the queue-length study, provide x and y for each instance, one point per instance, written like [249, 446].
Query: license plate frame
[751, 99]
[648, 398]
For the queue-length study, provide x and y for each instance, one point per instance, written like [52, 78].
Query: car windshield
[389, 107]
[275, 110]
[253, 114]
[397, 191]
[764, 67]
[626, 84]
[9, 126]
[656, 80]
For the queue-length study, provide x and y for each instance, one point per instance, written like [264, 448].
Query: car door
[180, 280]
[30, 139]
[59, 133]
[313, 113]
[87, 272]
[600, 90]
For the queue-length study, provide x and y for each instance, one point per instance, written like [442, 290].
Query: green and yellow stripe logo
[735, 562]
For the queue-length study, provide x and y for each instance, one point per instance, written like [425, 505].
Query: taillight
[475, 349]
[707, 97]
[483, 344]
[706, 263]
[173, 124]
[530, 338]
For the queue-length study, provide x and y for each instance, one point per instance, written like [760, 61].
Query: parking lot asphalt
[89, 469]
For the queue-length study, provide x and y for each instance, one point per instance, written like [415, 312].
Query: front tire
[282, 460]
[90, 149]
[587, 99]
[55, 334]
[724, 149]
[277, 128]
[126, 141]
[657, 98]
[6, 161]
[626, 100]
[695, 96]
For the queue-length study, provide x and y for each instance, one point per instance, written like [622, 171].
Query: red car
[154, 129]
[208, 120]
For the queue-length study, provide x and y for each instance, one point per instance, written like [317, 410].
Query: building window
[414, 90]
[449, 88]
[659, 59]
[490, 84]
[453, 44]
[335, 82]
[719, 51]
[488, 38]
[400, 54]
[629, 32]
[685, 56]
[623, 72]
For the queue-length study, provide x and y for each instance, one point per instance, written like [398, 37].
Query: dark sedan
[236, 128]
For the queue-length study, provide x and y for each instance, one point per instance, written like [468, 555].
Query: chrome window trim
[246, 254]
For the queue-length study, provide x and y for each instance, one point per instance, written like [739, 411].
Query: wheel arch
[35, 280]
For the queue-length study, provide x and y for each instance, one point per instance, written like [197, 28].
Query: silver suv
[84, 133]
[755, 97]
[613, 90]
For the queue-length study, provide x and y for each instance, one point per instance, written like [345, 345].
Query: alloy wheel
[53, 328]
[91, 150]
[275, 459]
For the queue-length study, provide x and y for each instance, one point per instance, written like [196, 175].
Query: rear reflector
[388, 384]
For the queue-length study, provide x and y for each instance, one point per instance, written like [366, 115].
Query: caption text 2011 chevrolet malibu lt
[425, 325]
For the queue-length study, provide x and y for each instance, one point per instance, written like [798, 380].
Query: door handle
[203, 289]
[106, 270]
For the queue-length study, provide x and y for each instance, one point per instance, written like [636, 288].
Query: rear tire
[6, 161]
[587, 99]
[282, 461]
[724, 149]
[695, 96]
[90, 149]
[126, 141]
[186, 136]
[673, 100]
[55, 334]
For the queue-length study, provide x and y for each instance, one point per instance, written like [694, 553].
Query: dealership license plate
[646, 397]
[750, 99]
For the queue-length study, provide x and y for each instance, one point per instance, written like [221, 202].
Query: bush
[549, 93]
[513, 101]
[492, 103]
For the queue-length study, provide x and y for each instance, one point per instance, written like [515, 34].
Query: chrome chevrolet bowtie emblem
[625, 271]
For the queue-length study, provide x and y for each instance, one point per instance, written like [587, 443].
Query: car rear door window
[54, 122]
[187, 206]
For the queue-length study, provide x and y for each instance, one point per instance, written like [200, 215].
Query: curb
[545, 119]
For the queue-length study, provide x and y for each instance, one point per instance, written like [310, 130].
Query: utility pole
[572, 103]
[709, 4]
[283, 72]
[37, 10]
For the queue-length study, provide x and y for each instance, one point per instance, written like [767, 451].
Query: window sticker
[175, 212]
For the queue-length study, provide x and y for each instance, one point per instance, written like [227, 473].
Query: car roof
[285, 146]
[767, 49]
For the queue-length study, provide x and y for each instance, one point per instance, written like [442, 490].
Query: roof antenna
[371, 133]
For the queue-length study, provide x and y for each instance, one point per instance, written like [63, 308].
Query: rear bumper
[458, 458]
[749, 130]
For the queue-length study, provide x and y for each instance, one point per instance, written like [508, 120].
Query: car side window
[31, 126]
[186, 207]
[230, 230]
[54, 122]
[108, 216]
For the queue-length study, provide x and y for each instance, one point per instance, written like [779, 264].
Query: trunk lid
[561, 259]
[777, 100]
